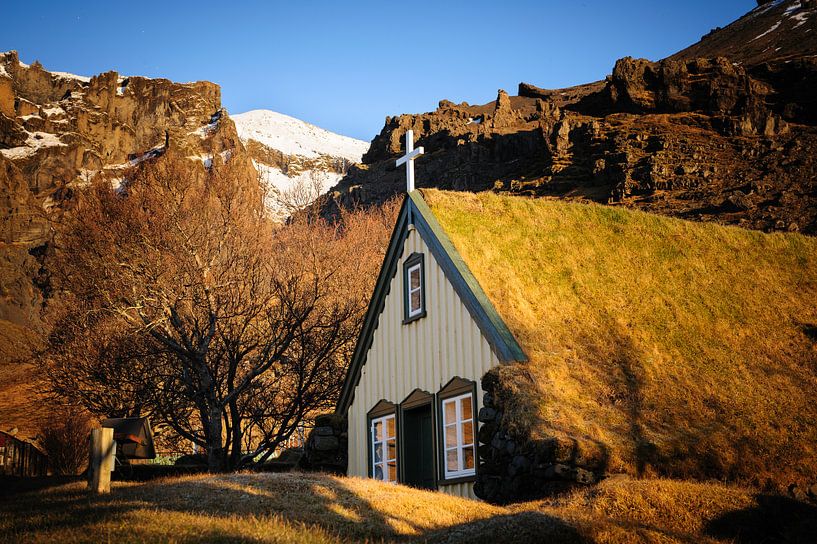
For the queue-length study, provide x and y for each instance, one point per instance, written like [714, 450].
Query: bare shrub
[65, 440]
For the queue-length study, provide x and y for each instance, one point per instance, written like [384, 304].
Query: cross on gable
[408, 159]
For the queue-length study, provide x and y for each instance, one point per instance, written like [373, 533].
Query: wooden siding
[423, 354]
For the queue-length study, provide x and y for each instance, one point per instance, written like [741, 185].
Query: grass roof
[675, 348]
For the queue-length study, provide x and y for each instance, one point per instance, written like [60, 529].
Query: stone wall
[327, 446]
[514, 467]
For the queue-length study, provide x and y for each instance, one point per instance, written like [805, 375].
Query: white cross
[408, 159]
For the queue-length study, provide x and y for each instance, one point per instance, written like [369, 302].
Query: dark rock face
[676, 137]
[514, 468]
[734, 113]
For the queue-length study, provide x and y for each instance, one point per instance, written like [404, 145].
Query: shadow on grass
[316, 508]
[236, 508]
[773, 519]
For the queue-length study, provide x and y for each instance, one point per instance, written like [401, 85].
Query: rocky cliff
[59, 131]
[715, 132]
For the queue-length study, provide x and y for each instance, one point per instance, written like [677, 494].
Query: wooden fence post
[101, 462]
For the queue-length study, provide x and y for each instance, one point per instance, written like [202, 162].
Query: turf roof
[676, 347]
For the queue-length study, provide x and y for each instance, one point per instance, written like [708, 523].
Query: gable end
[416, 212]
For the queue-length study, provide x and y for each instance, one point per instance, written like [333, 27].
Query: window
[414, 282]
[384, 448]
[458, 436]
[415, 290]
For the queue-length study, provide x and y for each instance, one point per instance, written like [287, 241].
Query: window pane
[392, 471]
[450, 436]
[468, 432]
[468, 457]
[378, 430]
[415, 301]
[465, 407]
[390, 428]
[414, 278]
[378, 472]
[450, 412]
[392, 453]
[452, 464]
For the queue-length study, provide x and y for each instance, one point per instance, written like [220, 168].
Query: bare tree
[302, 193]
[186, 302]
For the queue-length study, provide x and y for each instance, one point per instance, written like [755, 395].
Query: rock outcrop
[514, 467]
[700, 137]
[327, 446]
[60, 131]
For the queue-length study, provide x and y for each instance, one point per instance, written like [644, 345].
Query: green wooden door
[418, 447]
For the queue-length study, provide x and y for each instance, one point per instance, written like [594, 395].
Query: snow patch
[295, 137]
[66, 75]
[772, 29]
[209, 128]
[34, 142]
[792, 8]
[53, 110]
[801, 18]
[763, 9]
[149, 154]
[276, 183]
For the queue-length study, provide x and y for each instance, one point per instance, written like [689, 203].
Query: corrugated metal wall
[426, 353]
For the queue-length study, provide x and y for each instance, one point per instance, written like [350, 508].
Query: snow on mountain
[295, 137]
[296, 161]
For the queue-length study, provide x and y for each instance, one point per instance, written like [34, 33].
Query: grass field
[325, 509]
[674, 348]
[21, 404]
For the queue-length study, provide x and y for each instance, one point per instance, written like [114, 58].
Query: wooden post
[101, 461]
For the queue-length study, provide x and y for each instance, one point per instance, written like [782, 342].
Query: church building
[412, 394]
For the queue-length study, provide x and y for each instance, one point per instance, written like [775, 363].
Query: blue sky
[345, 65]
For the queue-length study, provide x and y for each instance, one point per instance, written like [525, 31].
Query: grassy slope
[20, 403]
[317, 508]
[677, 348]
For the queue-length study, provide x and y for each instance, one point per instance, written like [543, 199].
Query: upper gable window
[414, 287]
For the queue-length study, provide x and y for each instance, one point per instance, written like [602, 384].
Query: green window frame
[414, 288]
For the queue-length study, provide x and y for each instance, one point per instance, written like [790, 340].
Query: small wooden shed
[21, 458]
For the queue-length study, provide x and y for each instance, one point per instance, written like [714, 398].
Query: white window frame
[384, 462]
[460, 419]
[409, 291]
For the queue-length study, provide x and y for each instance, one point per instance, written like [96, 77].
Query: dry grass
[675, 348]
[21, 405]
[323, 509]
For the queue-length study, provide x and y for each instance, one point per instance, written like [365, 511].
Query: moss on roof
[677, 348]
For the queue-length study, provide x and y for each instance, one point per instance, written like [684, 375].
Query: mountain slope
[295, 137]
[703, 138]
[58, 133]
[296, 161]
[775, 30]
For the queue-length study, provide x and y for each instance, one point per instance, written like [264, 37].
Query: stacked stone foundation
[327, 446]
[515, 468]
